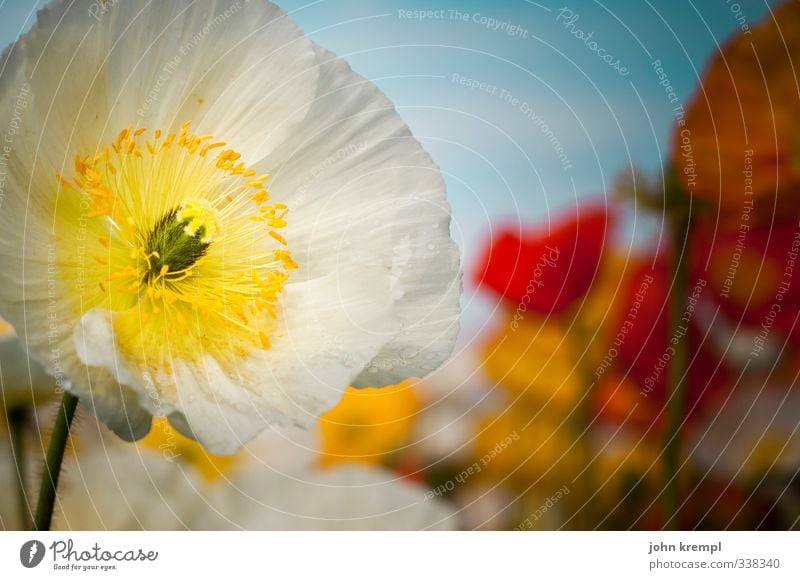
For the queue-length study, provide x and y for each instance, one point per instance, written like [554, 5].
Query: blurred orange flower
[738, 141]
[368, 425]
[522, 447]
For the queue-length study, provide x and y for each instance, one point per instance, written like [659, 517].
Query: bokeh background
[540, 420]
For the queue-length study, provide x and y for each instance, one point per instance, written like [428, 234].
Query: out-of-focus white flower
[485, 507]
[139, 243]
[756, 431]
[169, 482]
[454, 399]
[22, 380]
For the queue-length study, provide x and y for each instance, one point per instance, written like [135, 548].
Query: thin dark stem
[583, 419]
[52, 464]
[17, 422]
[676, 371]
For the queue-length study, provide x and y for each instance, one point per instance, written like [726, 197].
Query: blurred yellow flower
[527, 448]
[621, 459]
[176, 447]
[537, 361]
[368, 425]
[598, 312]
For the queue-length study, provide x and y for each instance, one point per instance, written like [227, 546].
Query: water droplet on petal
[408, 353]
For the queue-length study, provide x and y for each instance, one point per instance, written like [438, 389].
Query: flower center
[178, 237]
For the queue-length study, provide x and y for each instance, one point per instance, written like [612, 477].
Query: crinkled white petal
[243, 71]
[232, 68]
[360, 185]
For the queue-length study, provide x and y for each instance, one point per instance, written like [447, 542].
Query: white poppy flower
[170, 483]
[207, 216]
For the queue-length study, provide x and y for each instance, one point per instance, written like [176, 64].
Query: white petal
[107, 389]
[239, 70]
[95, 344]
[359, 185]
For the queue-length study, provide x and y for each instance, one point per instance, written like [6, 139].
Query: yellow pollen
[201, 216]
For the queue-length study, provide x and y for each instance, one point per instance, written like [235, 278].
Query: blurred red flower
[545, 271]
[752, 272]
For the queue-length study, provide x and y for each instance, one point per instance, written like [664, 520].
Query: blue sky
[491, 141]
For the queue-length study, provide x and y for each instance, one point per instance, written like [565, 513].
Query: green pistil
[168, 244]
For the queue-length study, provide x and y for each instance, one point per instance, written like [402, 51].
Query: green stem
[582, 420]
[676, 371]
[17, 421]
[52, 465]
